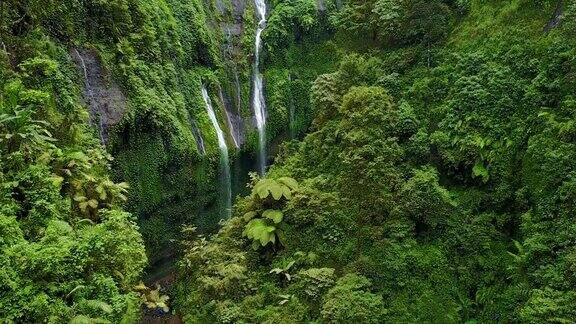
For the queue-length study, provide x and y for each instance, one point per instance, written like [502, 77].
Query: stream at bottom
[162, 274]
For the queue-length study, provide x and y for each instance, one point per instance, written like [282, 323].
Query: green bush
[349, 302]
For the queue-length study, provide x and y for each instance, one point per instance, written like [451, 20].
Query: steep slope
[80, 78]
[436, 187]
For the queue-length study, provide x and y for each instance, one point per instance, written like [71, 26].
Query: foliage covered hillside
[424, 170]
[69, 250]
[437, 184]
[157, 53]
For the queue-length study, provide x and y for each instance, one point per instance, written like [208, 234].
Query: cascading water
[89, 96]
[226, 184]
[198, 137]
[229, 120]
[258, 101]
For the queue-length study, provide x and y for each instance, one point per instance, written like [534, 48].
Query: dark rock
[556, 18]
[104, 98]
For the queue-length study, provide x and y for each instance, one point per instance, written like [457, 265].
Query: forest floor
[163, 273]
[157, 316]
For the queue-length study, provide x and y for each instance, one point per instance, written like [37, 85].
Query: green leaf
[290, 265]
[274, 215]
[276, 191]
[259, 230]
[249, 215]
[123, 185]
[290, 182]
[83, 206]
[262, 188]
[93, 203]
[105, 307]
[101, 191]
[479, 170]
[266, 238]
[251, 229]
[287, 193]
[263, 192]
[75, 290]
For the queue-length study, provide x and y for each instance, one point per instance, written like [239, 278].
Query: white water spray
[226, 184]
[258, 101]
[229, 120]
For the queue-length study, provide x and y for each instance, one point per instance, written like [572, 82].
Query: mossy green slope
[436, 185]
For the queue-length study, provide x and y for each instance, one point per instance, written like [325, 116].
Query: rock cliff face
[164, 144]
[105, 101]
[556, 18]
[232, 28]
[155, 124]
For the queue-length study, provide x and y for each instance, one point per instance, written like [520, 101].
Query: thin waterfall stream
[90, 96]
[225, 180]
[198, 137]
[229, 120]
[258, 100]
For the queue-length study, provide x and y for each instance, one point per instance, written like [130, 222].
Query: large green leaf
[282, 187]
[259, 230]
[105, 307]
[274, 215]
[263, 192]
[479, 170]
[287, 193]
[290, 182]
[276, 191]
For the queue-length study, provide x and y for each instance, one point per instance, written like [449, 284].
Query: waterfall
[258, 101]
[198, 137]
[90, 97]
[229, 119]
[226, 184]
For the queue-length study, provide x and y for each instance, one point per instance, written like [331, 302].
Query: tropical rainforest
[287, 161]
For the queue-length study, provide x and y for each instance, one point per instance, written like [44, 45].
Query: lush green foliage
[264, 219]
[159, 52]
[431, 179]
[67, 249]
[435, 186]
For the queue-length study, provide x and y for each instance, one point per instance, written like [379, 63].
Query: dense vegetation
[436, 183]
[425, 161]
[68, 248]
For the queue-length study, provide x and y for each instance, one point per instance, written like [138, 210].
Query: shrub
[350, 302]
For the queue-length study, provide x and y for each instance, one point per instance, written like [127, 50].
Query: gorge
[225, 187]
[258, 100]
[289, 161]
